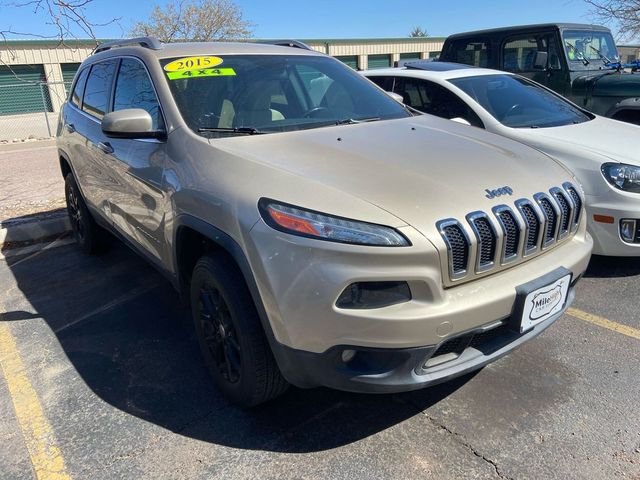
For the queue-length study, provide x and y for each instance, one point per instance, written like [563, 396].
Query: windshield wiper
[236, 130]
[603, 57]
[353, 121]
[578, 53]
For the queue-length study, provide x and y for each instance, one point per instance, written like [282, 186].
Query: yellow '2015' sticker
[192, 63]
[203, 72]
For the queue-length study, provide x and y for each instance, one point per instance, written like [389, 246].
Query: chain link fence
[29, 110]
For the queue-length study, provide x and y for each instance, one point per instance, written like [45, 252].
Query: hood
[609, 84]
[420, 169]
[613, 140]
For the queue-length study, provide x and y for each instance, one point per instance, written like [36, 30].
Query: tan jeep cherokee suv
[324, 234]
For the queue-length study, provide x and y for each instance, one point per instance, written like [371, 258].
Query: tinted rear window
[98, 89]
[78, 89]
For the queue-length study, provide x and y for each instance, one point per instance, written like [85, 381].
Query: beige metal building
[629, 53]
[34, 74]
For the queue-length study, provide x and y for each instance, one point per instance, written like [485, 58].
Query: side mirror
[541, 61]
[396, 96]
[461, 120]
[129, 123]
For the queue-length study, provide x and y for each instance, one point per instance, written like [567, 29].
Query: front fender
[624, 105]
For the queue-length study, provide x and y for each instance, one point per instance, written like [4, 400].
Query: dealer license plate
[544, 302]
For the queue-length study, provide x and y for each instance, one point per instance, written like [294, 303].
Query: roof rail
[287, 43]
[146, 42]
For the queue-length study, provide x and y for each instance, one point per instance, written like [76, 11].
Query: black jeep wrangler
[578, 61]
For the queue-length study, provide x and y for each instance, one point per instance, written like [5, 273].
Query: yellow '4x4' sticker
[203, 72]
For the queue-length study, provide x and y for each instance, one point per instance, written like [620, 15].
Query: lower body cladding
[614, 223]
[430, 336]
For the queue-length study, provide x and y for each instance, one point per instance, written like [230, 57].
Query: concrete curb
[34, 228]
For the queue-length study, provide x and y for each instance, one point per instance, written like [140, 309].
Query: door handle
[105, 147]
[69, 127]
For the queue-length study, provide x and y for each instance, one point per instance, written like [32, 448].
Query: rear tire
[230, 335]
[90, 237]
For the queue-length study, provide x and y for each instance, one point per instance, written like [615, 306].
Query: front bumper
[390, 371]
[300, 279]
[606, 236]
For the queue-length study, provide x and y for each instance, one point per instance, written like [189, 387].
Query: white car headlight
[622, 176]
[307, 223]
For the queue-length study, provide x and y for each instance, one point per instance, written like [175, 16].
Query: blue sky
[332, 18]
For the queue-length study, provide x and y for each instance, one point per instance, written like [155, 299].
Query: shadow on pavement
[613, 267]
[127, 335]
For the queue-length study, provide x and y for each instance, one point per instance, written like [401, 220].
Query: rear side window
[98, 89]
[476, 52]
[78, 89]
[135, 90]
[434, 99]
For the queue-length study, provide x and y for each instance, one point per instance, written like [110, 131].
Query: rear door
[82, 122]
[137, 198]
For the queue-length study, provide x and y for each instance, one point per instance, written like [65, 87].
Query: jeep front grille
[510, 235]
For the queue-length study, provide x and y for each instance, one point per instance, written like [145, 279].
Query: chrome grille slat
[511, 232]
[510, 235]
[566, 211]
[458, 247]
[577, 204]
[533, 225]
[486, 238]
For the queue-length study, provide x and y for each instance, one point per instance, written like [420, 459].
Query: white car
[604, 154]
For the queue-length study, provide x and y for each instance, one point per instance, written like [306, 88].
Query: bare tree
[198, 20]
[624, 14]
[65, 19]
[418, 32]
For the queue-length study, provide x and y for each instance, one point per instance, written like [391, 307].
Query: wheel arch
[65, 164]
[628, 110]
[190, 229]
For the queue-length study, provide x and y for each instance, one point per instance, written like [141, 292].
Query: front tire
[231, 338]
[90, 237]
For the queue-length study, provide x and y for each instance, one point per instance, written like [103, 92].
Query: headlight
[307, 223]
[623, 177]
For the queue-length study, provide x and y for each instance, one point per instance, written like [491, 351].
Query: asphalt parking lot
[101, 378]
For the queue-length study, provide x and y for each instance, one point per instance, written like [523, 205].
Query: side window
[135, 90]
[519, 53]
[98, 89]
[385, 83]
[434, 99]
[78, 89]
[476, 52]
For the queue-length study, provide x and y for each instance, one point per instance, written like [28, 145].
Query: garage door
[379, 61]
[408, 58]
[22, 88]
[68, 72]
[350, 60]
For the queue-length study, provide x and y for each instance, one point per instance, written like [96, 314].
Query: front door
[137, 200]
[519, 54]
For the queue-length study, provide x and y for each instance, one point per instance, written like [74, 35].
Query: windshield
[586, 47]
[240, 94]
[519, 103]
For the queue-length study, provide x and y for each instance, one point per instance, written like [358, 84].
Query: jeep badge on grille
[498, 192]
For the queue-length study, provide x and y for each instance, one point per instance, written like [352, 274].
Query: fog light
[347, 355]
[363, 295]
[628, 230]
